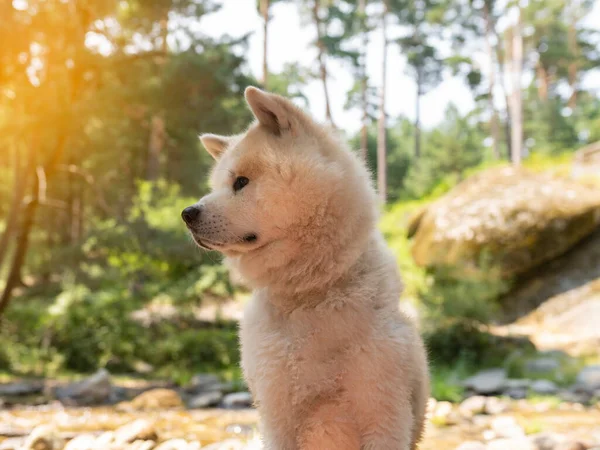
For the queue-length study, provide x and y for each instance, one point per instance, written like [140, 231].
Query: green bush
[466, 341]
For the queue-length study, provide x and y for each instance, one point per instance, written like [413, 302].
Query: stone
[546, 441]
[44, 437]
[21, 389]
[137, 430]
[82, 442]
[229, 444]
[471, 445]
[12, 444]
[520, 218]
[93, 390]
[571, 445]
[105, 439]
[238, 400]
[154, 399]
[204, 400]
[495, 406]
[507, 427]
[544, 387]
[521, 443]
[517, 383]
[202, 382]
[472, 406]
[516, 393]
[142, 445]
[490, 381]
[543, 365]
[442, 414]
[173, 444]
[575, 396]
[589, 378]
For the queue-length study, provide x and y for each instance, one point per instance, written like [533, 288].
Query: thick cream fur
[331, 361]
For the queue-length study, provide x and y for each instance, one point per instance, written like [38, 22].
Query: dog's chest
[290, 360]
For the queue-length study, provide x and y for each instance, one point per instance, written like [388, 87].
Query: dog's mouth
[208, 244]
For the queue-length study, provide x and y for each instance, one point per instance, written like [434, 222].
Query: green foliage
[446, 381]
[466, 341]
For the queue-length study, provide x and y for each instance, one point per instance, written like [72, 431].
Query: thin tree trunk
[157, 122]
[19, 185]
[574, 52]
[418, 116]
[155, 146]
[502, 70]
[321, 51]
[264, 9]
[381, 131]
[364, 132]
[542, 78]
[516, 94]
[493, 113]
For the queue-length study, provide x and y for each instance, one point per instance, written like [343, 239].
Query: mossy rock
[509, 218]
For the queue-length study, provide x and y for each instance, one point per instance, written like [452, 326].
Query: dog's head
[287, 198]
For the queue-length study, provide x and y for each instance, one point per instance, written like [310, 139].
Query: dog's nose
[190, 214]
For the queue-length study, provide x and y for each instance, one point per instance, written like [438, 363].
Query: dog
[330, 360]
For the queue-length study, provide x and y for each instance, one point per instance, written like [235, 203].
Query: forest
[101, 105]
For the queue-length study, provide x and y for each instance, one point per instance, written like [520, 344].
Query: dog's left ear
[215, 145]
[272, 111]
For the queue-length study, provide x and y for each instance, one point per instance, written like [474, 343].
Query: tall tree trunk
[574, 53]
[157, 122]
[18, 191]
[364, 132]
[418, 115]
[493, 113]
[28, 217]
[382, 125]
[321, 54]
[14, 275]
[264, 10]
[155, 146]
[502, 70]
[516, 94]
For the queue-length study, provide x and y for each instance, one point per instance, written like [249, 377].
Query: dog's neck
[287, 287]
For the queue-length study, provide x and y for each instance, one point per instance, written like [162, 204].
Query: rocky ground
[498, 413]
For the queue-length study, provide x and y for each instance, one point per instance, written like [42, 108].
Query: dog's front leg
[329, 427]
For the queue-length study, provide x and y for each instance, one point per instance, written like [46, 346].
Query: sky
[290, 37]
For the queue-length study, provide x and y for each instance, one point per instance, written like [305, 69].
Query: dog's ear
[215, 145]
[272, 111]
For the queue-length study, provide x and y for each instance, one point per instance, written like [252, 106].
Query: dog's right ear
[272, 111]
[215, 145]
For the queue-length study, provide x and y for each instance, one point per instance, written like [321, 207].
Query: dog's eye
[239, 183]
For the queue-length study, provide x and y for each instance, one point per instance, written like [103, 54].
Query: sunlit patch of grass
[533, 426]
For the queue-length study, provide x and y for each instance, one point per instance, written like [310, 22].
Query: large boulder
[511, 218]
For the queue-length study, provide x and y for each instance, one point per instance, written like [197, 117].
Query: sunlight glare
[20, 5]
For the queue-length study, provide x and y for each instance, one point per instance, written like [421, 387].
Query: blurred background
[480, 120]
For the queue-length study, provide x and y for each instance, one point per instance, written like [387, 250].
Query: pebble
[507, 427]
[473, 405]
[137, 430]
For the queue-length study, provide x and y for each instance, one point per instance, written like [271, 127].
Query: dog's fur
[330, 360]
